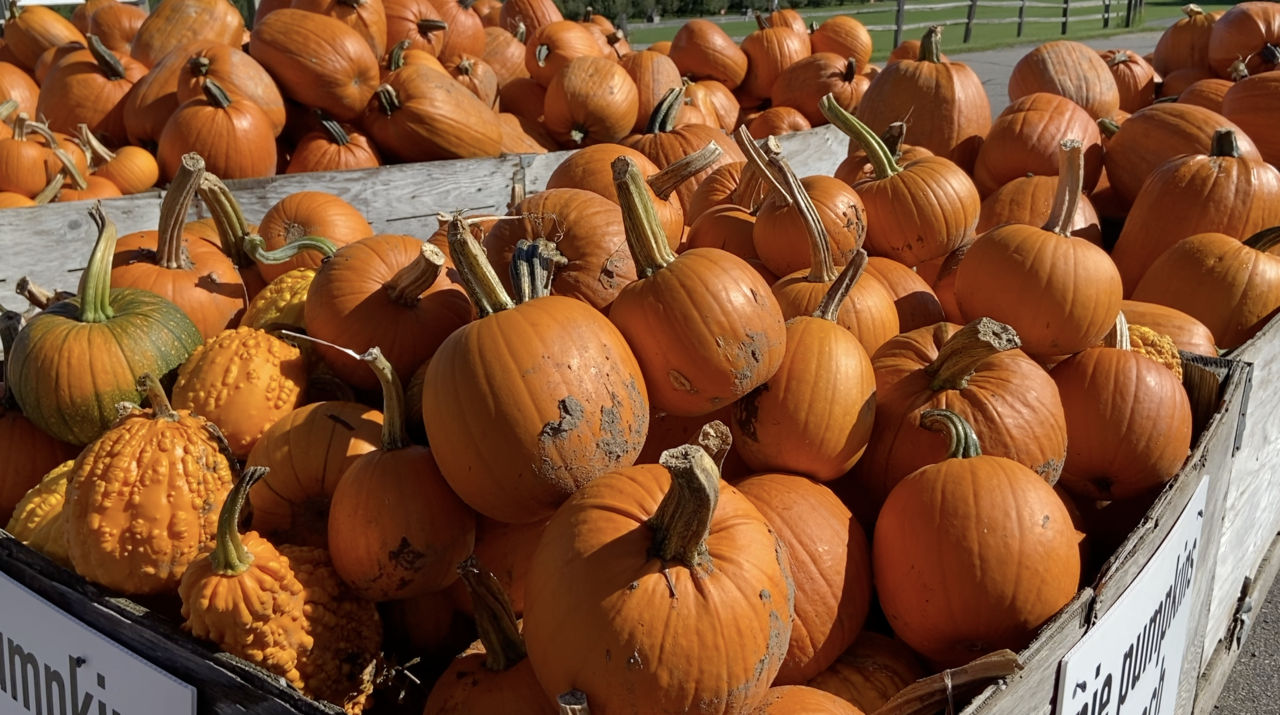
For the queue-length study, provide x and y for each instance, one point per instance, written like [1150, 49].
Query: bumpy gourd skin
[1157, 346]
[282, 302]
[38, 521]
[143, 501]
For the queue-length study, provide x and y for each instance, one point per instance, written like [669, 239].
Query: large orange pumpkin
[802, 85]
[554, 46]
[117, 25]
[1068, 69]
[1248, 31]
[844, 36]
[33, 29]
[1026, 138]
[1185, 45]
[87, 87]
[1029, 200]
[235, 135]
[702, 50]
[333, 147]
[591, 101]
[533, 14]
[238, 73]
[1135, 79]
[317, 60]
[769, 51]
[155, 97]
[655, 75]
[415, 116]
[416, 22]
[1251, 103]
[367, 17]
[168, 28]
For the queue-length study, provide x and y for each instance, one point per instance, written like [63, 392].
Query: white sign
[52, 664]
[1131, 660]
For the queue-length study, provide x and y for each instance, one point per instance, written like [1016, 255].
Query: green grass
[984, 37]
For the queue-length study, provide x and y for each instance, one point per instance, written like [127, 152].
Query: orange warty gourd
[692, 364]
[1029, 200]
[843, 36]
[154, 468]
[1068, 69]
[234, 133]
[533, 14]
[33, 29]
[917, 212]
[802, 85]
[590, 101]
[830, 565]
[87, 87]
[917, 305]
[1174, 204]
[309, 213]
[987, 532]
[116, 25]
[236, 72]
[1128, 420]
[702, 50]
[317, 61]
[1026, 139]
[562, 432]
[169, 28]
[1135, 79]
[666, 525]
[769, 51]
[1186, 332]
[334, 147]
[418, 23]
[39, 519]
[1185, 45]
[1060, 293]
[414, 117]
[282, 609]
[803, 700]
[367, 17]
[493, 675]
[396, 529]
[873, 670]
[1249, 30]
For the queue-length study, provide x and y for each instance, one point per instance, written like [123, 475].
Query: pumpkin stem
[107, 62]
[233, 229]
[1225, 144]
[68, 164]
[10, 325]
[428, 26]
[387, 99]
[477, 274]
[495, 618]
[1108, 127]
[829, 308]
[95, 282]
[715, 439]
[94, 147]
[649, 248]
[20, 126]
[822, 268]
[517, 190]
[893, 137]
[465, 65]
[1239, 71]
[37, 295]
[964, 441]
[1192, 10]
[1270, 54]
[1118, 336]
[170, 251]
[521, 33]
[394, 435]
[216, 95]
[1120, 57]
[395, 58]
[961, 355]
[663, 117]
[199, 66]
[682, 520]
[877, 153]
[540, 54]
[1264, 240]
[7, 107]
[665, 182]
[52, 189]
[1070, 186]
[160, 407]
[931, 45]
[850, 69]
[14, 10]
[573, 702]
[533, 267]
[759, 162]
[230, 557]
[410, 282]
[762, 22]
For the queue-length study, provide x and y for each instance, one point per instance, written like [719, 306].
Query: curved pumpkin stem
[388, 100]
[495, 618]
[573, 702]
[394, 435]
[68, 164]
[170, 251]
[649, 248]
[665, 182]
[758, 162]
[1192, 10]
[110, 65]
[762, 22]
[52, 189]
[1108, 126]
[395, 58]
[533, 267]
[877, 153]
[233, 229]
[663, 117]
[161, 409]
[336, 133]
[715, 439]
[1225, 144]
[477, 274]
[931, 45]
[964, 442]
[682, 520]
[216, 95]
[95, 282]
[410, 282]
[829, 308]
[1070, 186]
[1238, 71]
[960, 357]
[822, 267]
[230, 557]
[1118, 336]
[7, 107]
[1264, 240]
[428, 26]
[93, 147]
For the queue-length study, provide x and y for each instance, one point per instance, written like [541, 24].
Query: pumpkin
[10, 200]
[33, 29]
[489, 11]
[1250, 104]
[1207, 93]
[333, 147]
[521, 136]
[1025, 139]
[591, 101]
[1185, 44]
[415, 115]
[317, 61]
[116, 25]
[395, 528]
[39, 518]
[857, 166]
[987, 532]
[507, 549]
[1128, 420]
[564, 434]
[168, 28]
[95, 187]
[718, 189]
[729, 228]
[141, 332]
[802, 85]
[1187, 333]
[1029, 200]
[843, 36]
[1171, 205]
[917, 212]
[367, 17]
[969, 370]
[152, 469]
[715, 101]
[798, 699]
[1061, 294]
[1135, 78]
[553, 47]
[1177, 81]
[493, 675]
[1068, 69]
[82, 13]
[523, 97]
[955, 132]
[309, 213]
[533, 14]
[236, 72]
[282, 609]
[1249, 30]
[234, 133]
[418, 23]
[476, 76]
[17, 85]
[916, 303]
[50, 59]
[655, 75]
[132, 169]
[155, 97]
[702, 50]
[87, 88]
[1224, 283]
[465, 33]
[776, 121]
[873, 670]
[504, 52]
[769, 51]
[307, 453]
[665, 525]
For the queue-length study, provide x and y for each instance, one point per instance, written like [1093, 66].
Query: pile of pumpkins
[684, 431]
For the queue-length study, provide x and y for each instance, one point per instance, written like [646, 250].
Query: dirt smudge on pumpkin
[1051, 470]
[747, 410]
[571, 414]
[613, 439]
[406, 557]
[749, 354]
[681, 383]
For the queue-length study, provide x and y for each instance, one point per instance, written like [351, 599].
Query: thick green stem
[533, 267]
[495, 618]
[665, 182]
[395, 58]
[410, 282]
[394, 435]
[649, 248]
[95, 282]
[110, 65]
[931, 45]
[160, 407]
[960, 357]
[663, 118]
[1225, 144]
[1109, 127]
[829, 308]
[1070, 186]
[964, 442]
[1264, 240]
[170, 251]
[216, 95]
[477, 274]
[233, 229]
[230, 557]
[878, 154]
[822, 267]
[336, 133]
[682, 520]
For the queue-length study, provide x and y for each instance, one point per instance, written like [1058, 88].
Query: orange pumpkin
[715, 101]
[1029, 200]
[504, 52]
[524, 98]
[843, 36]
[802, 700]
[367, 17]
[1068, 69]
[237, 137]
[873, 670]
[414, 116]
[508, 550]
[857, 165]
[116, 24]
[776, 121]
[769, 51]
[702, 50]
[533, 14]
[155, 98]
[1185, 45]
[416, 22]
[917, 305]
[554, 46]
[465, 33]
[168, 28]
[1026, 138]
[1135, 79]
[476, 76]
[33, 29]
[317, 60]
[236, 72]
[1249, 103]
[132, 169]
[1249, 30]
[86, 87]
[309, 213]
[1187, 333]
[590, 101]
[655, 75]
[17, 85]
[802, 85]
[1207, 93]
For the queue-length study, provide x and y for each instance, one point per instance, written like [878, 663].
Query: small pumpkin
[333, 147]
[154, 98]
[132, 169]
[702, 50]
[776, 121]
[590, 101]
[553, 47]
[1068, 69]
[769, 51]
[873, 670]
[1135, 79]
[523, 97]
[715, 101]
[17, 85]
[39, 518]
[465, 33]
[87, 87]
[843, 36]
[1207, 93]
[418, 23]
[234, 133]
[798, 699]
[476, 76]
[917, 304]
[655, 75]
[533, 14]
[1029, 200]
[507, 549]
[857, 166]
[317, 60]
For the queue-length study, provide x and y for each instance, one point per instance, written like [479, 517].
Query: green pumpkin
[72, 364]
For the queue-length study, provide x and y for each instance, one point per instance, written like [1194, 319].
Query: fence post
[1022, 11]
[968, 25]
[900, 21]
[1106, 14]
[1128, 13]
[1066, 14]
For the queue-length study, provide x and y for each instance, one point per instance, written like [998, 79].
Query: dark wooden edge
[224, 683]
